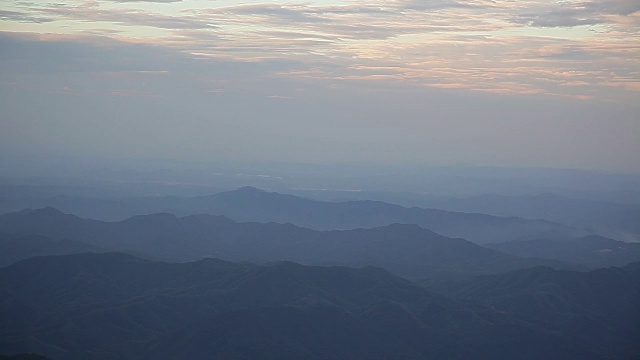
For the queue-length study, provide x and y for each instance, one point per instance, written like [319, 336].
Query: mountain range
[29, 356]
[405, 249]
[619, 220]
[16, 248]
[114, 306]
[592, 251]
[600, 307]
[250, 204]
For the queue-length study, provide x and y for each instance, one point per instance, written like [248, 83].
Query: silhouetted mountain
[251, 204]
[611, 219]
[115, 306]
[593, 251]
[48, 222]
[407, 250]
[617, 220]
[601, 307]
[24, 357]
[13, 249]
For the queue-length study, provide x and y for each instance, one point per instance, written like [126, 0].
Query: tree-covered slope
[113, 306]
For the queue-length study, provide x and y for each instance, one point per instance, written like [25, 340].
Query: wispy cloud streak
[495, 46]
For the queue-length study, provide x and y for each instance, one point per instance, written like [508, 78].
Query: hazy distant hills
[251, 204]
[407, 250]
[593, 251]
[601, 307]
[621, 221]
[114, 306]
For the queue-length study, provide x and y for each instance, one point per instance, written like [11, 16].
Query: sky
[533, 83]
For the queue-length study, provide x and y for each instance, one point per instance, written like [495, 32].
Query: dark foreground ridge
[24, 357]
[115, 306]
[600, 307]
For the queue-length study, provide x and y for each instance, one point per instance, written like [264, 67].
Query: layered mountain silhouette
[407, 250]
[593, 251]
[601, 307]
[617, 220]
[24, 357]
[115, 306]
[16, 248]
[251, 204]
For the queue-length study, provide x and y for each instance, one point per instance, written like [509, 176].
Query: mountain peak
[51, 211]
[404, 226]
[245, 191]
[249, 189]
[48, 213]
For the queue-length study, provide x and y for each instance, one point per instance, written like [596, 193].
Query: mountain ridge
[80, 307]
[599, 306]
[252, 204]
[592, 250]
[408, 250]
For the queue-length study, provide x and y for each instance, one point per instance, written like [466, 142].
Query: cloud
[280, 92]
[119, 67]
[352, 22]
[145, 1]
[576, 13]
[22, 17]
[444, 4]
[296, 13]
[619, 7]
[558, 19]
[24, 53]
[130, 17]
[478, 45]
